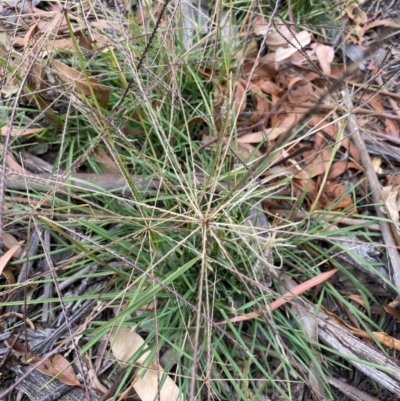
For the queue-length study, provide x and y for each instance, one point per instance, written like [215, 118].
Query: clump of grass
[176, 259]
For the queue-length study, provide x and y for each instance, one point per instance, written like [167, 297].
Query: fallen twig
[82, 182]
[375, 188]
[357, 110]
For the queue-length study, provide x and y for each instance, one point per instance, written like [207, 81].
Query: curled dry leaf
[330, 130]
[391, 126]
[71, 76]
[300, 90]
[20, 131]
[240, 98]
[325, 55]
[376, 164]
[391, 197]
[125, 343]
[357, 298]
[269, 87]
[5, 258]
[13, 164]
[357, 15]
[21, 316]
[333, 191]
[301, 40]
[108, 165]
[380, 337]
[382, 22]
[319, 163]
[19, 349]
[261, 136]
[95, 383]
[340, 167]
[58, 367]
[279, 38]
[260, 25]
[9, 275]
[285, 121]
[393, 311]
[262, 105]
[9, 241]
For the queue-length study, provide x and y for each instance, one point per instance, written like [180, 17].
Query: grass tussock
[125, 172]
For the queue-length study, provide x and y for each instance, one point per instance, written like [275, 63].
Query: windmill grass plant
[171, 259]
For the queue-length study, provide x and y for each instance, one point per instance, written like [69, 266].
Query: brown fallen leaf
[108, 165]
[300, 90]
[391, 126]
[381, 337]
[382, 22]
[20, 131]
[269, 87]
[58, 367]
[260, 25]
[19, 350]
[240, 98]
[71, 76]
[393, 311]
[5, 258]
[245, 151]
[279, 38]
[260, 136]
[330, 130]
[333, 191]
[9, 241]
[355, 13]
[320, 159]
[13, 164]
[340, 167]
[325, 55]
[125, 343]
[391, 198]
[357, 298]
[301, 40]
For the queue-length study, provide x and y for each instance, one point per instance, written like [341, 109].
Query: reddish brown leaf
[333, 191]
[108, 165]
[269, 87]
[5, 258]
[391, 126]
[331, 131]
[301, 90]
[58, 367]
[240, 98]
[339, 167]
[71, 76]
[393, 311]
[9, 241]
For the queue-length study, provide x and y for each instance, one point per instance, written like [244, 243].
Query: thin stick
[375, 188]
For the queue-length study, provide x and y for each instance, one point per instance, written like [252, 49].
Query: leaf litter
[271, 95]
